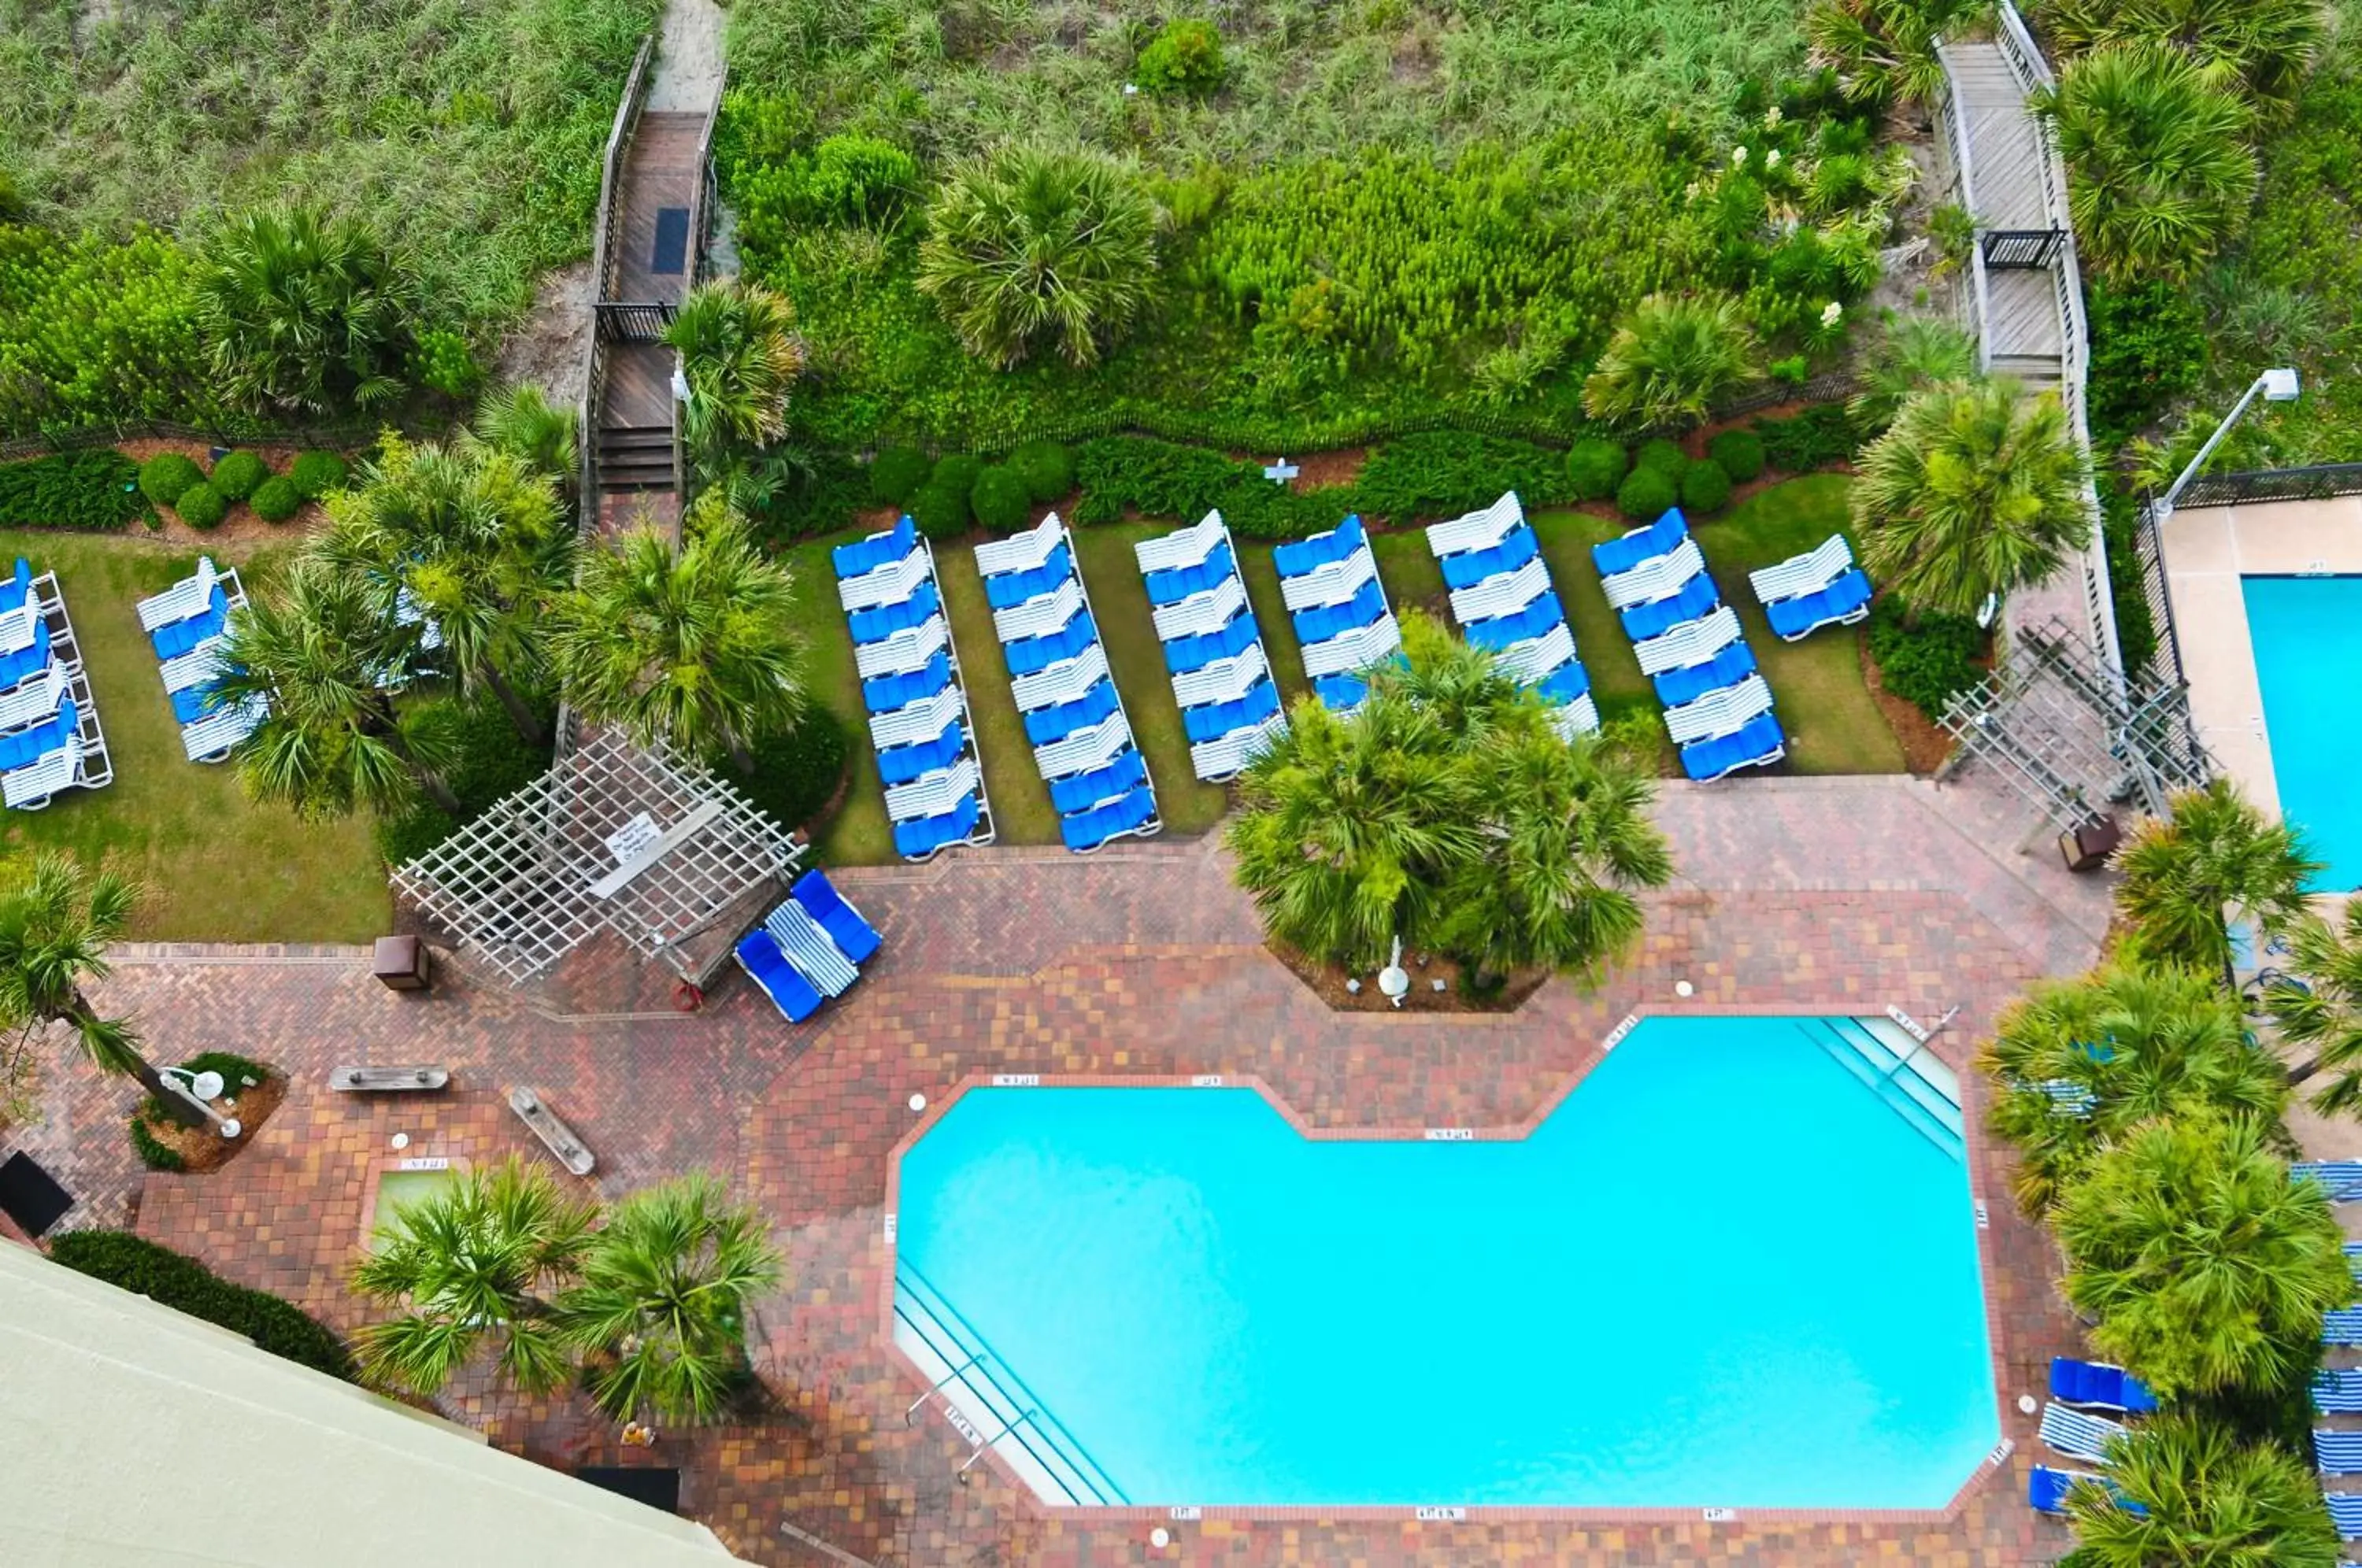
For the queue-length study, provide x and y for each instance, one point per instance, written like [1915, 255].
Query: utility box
[403, 964]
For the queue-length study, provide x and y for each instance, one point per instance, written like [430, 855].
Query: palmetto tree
[1916, 350]
[318, 646]
[55, 923]
[522, 422]
[1972, 491]
[660, 1312]
[481, 1262]
[2199, 1495]
[2260, 47]
[2207, 1268]
[1883, 50]
[1668, 361]
[2186, 875]
[2081, 1062]
[2162, 171]
[306, 314]
[2322, 1011]
[1034, 248]
[697, 648]
[740, 355]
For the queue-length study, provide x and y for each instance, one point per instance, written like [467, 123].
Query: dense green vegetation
[145, 1269]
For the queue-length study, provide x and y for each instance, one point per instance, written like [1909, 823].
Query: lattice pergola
[613, 838]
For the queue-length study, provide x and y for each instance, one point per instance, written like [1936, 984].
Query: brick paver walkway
[1141, 961]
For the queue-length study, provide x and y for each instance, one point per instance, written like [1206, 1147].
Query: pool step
[1891, 1062]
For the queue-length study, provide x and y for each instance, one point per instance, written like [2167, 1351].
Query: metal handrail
[602, 249]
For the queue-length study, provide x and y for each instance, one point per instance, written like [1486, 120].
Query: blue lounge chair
[793, 995]
[178, 638]
[1694, 599]
[2345, 1513]
[1312, 554]
[1055, 723]
[2099, 1386]
[1471, 566]
[865, 555]
[1640, 544]
[1732, 664]
[1174, 584]
[900, 763]
[854, 936]
[2338, 1393]
[1081, 791]
[27, 661]
[194, 702]
[1183, 654]
[1564, 684]
[877, 625]
[1006, 590]
[1212, 721]
[1324, 621]
[1523, 626]
[2337, 1453]
[16, 589]
[2342, 1178]
[1032, 655]
[919, 837]
[1756, 743]
[34, 742]
[1087, 831]
[1845, 600]
[2046, 1489]
[2342, 1327]
[1342, 694]
[889, 693]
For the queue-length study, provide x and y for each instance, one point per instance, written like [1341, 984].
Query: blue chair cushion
[1795, 617]
[27, 661]
[1088, 830]
[1642, 545]
[900, 763]
[1199, 649]
[877, 625]
[1006, 590]
[178, 638]
[1324, 621]
[192, 703]
[1753, 742]
[1659, 616]
[36, 741]
[1031, 656]
[1733, 664]
[1212, 721]
[1564, 684]
[1470, 568]
[854, 937]
[16, 589]
[1059, 720]
[890, 694]
[1341, 691]
[1081, 791]
[789, 990]
[1176, 583]
[1519, 626]
[921, 836]
[865, 555]
[1312, 554]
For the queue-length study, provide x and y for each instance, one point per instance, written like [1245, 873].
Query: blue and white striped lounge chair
[1719, 712]
[1045, 726]
[2342, 1327]
[1366, 608]
[212, 735]
[1212, 721]
[1658, 578]
[758, 954]
[1658, 616]
[1201, 613]
[1086, 750]
[1041, 615]
[1759, 743]
[1798, 575]
[1016, 587]
[854, 935]
[1841, 603]
[1223, 681]
[33, 657]
[866, 554]
[2345, 1513]
[903, 764]
[1357, 649]
[1687, 684]
[2077, 1433]
[28, 701]
[1478, 530]
[889, 584]
[16, 589]
[2343, 1178]
[1061, 682]
[1173, 586]
[811, 949]
[905, 650]
[1227, 757]
[1135, 812]
[1081, 791]
[889, 693]
[1504, 595]
[1183, 546]
[2046, 1489]
[2337, 1393]
[2337, 1453]
[1024, 552]
[1185, 654]
[1502, 632]
[915, 722]
[1031, 656]
[1472, 567]
[878, 625]
[2095, 1385]
[933, 794]
[1691, 641]
[185, 600]
[30, 785]
[1640, 544]
[1335, 583]
[1312, 554]
[920, 838]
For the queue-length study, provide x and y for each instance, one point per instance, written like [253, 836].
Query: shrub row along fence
[227, 432]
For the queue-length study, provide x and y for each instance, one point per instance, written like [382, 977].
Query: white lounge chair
[1202, 612]
[34, 699]
[1183, 546]
[1226, 756]
[1503, 595]
[1477, 530]
[1536, 657]
[1040, 615]
[1579, 717]
[213, 737]
[889, 584]
[1655, 580]
[1332, 584]
[1691, 641]
[17, 627]
[932, 794]
[196, 667]
[905, 650]
[1224, 680]
[30, 787]
[1808, 573]
[1719, 712]
[920, 721]
[1356, 650]
[189, 596]
[1094, 746]
[1020, 552]
[1063, 681]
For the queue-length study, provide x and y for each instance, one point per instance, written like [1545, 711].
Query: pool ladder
[1897, 1066]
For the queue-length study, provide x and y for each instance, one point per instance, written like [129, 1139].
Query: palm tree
[2258, 48]
[739, 353]
[1915, 351]
[698, 649]
[306, 314]
[1032, 247]
[1973, 491]
[319, 648]
[1669, 361]
[522, 422]
[2184, 1488]
[55, 923]
[2207, 1268]
[1883, 50]
[2162, 171]
[2183, 875]
[661, 1311]
[481, 1262]
[2081, 1062]
[473, 538]
[2319, 1007]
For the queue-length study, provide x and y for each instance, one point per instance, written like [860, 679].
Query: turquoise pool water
[2307, 634]
[1728, 1272]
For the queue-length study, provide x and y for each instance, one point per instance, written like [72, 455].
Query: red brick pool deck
[1140, 962]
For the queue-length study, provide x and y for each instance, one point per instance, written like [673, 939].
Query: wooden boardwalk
[2002, 186]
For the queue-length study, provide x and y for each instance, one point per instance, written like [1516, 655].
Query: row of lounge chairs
[1820, 587]
[49, 734]
[2338, 1391]
[1718, 706]
[186, 625]
[2070, 1426]
[1502, 597]
[808, 949]
[909, 682]
[1213, 651]
[1058, 673]
[1344, 625]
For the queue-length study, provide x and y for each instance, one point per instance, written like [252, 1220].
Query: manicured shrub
[1738, 453]
[238, 474]
[315, 474]
[234, 1069]
[1926, 663]
[1595, 467]
[1705, 488]
[999, 499]
[163, 1275]
[941, 512]
[1048, 467]
[1123, 474]
[89, 492]
[275, 499]
[164, 477]
[1646, 494]
[1813, 439]
[1441, 473]
[898, 473]
[795, 773]
[1665, 456]
[202, 506]
[155, 1156]
[1186, 56]
[958, 474]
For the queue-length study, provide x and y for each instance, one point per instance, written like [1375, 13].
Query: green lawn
[1120, 605]
[859, 834]
[217, 867]
[1271, 620]
[1021, 813]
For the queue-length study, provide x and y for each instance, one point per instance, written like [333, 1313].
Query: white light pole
[2276, 385]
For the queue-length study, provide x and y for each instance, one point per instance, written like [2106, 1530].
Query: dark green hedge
[143, 1267]
[89, 492]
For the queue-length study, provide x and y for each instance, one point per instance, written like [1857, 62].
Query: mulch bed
[200, 1148]
[241, 525]
[1327, 981]
[1924, 744]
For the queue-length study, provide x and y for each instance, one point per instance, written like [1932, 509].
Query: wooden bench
[388, 1080]
[554, 1135]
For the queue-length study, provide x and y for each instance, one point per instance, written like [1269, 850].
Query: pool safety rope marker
[1616, 1035]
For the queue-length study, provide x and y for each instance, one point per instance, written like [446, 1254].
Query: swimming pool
[1736, 1268]
[2307, 636]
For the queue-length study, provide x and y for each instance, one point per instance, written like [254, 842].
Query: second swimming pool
[2307, 636]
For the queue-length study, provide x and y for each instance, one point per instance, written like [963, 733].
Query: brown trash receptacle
[403, 964]
[2087, 845]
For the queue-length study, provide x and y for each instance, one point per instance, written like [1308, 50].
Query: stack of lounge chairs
[1501, 594]
[909, 682]
[1058, 673]
[1329, 583]
[186, 624]
[2071, 1426]
[808, 949]
[1717, 708]
[1820, 587]
[1230, 705]
[50, 736]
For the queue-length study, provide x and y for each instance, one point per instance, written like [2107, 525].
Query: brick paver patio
[1142, 961]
